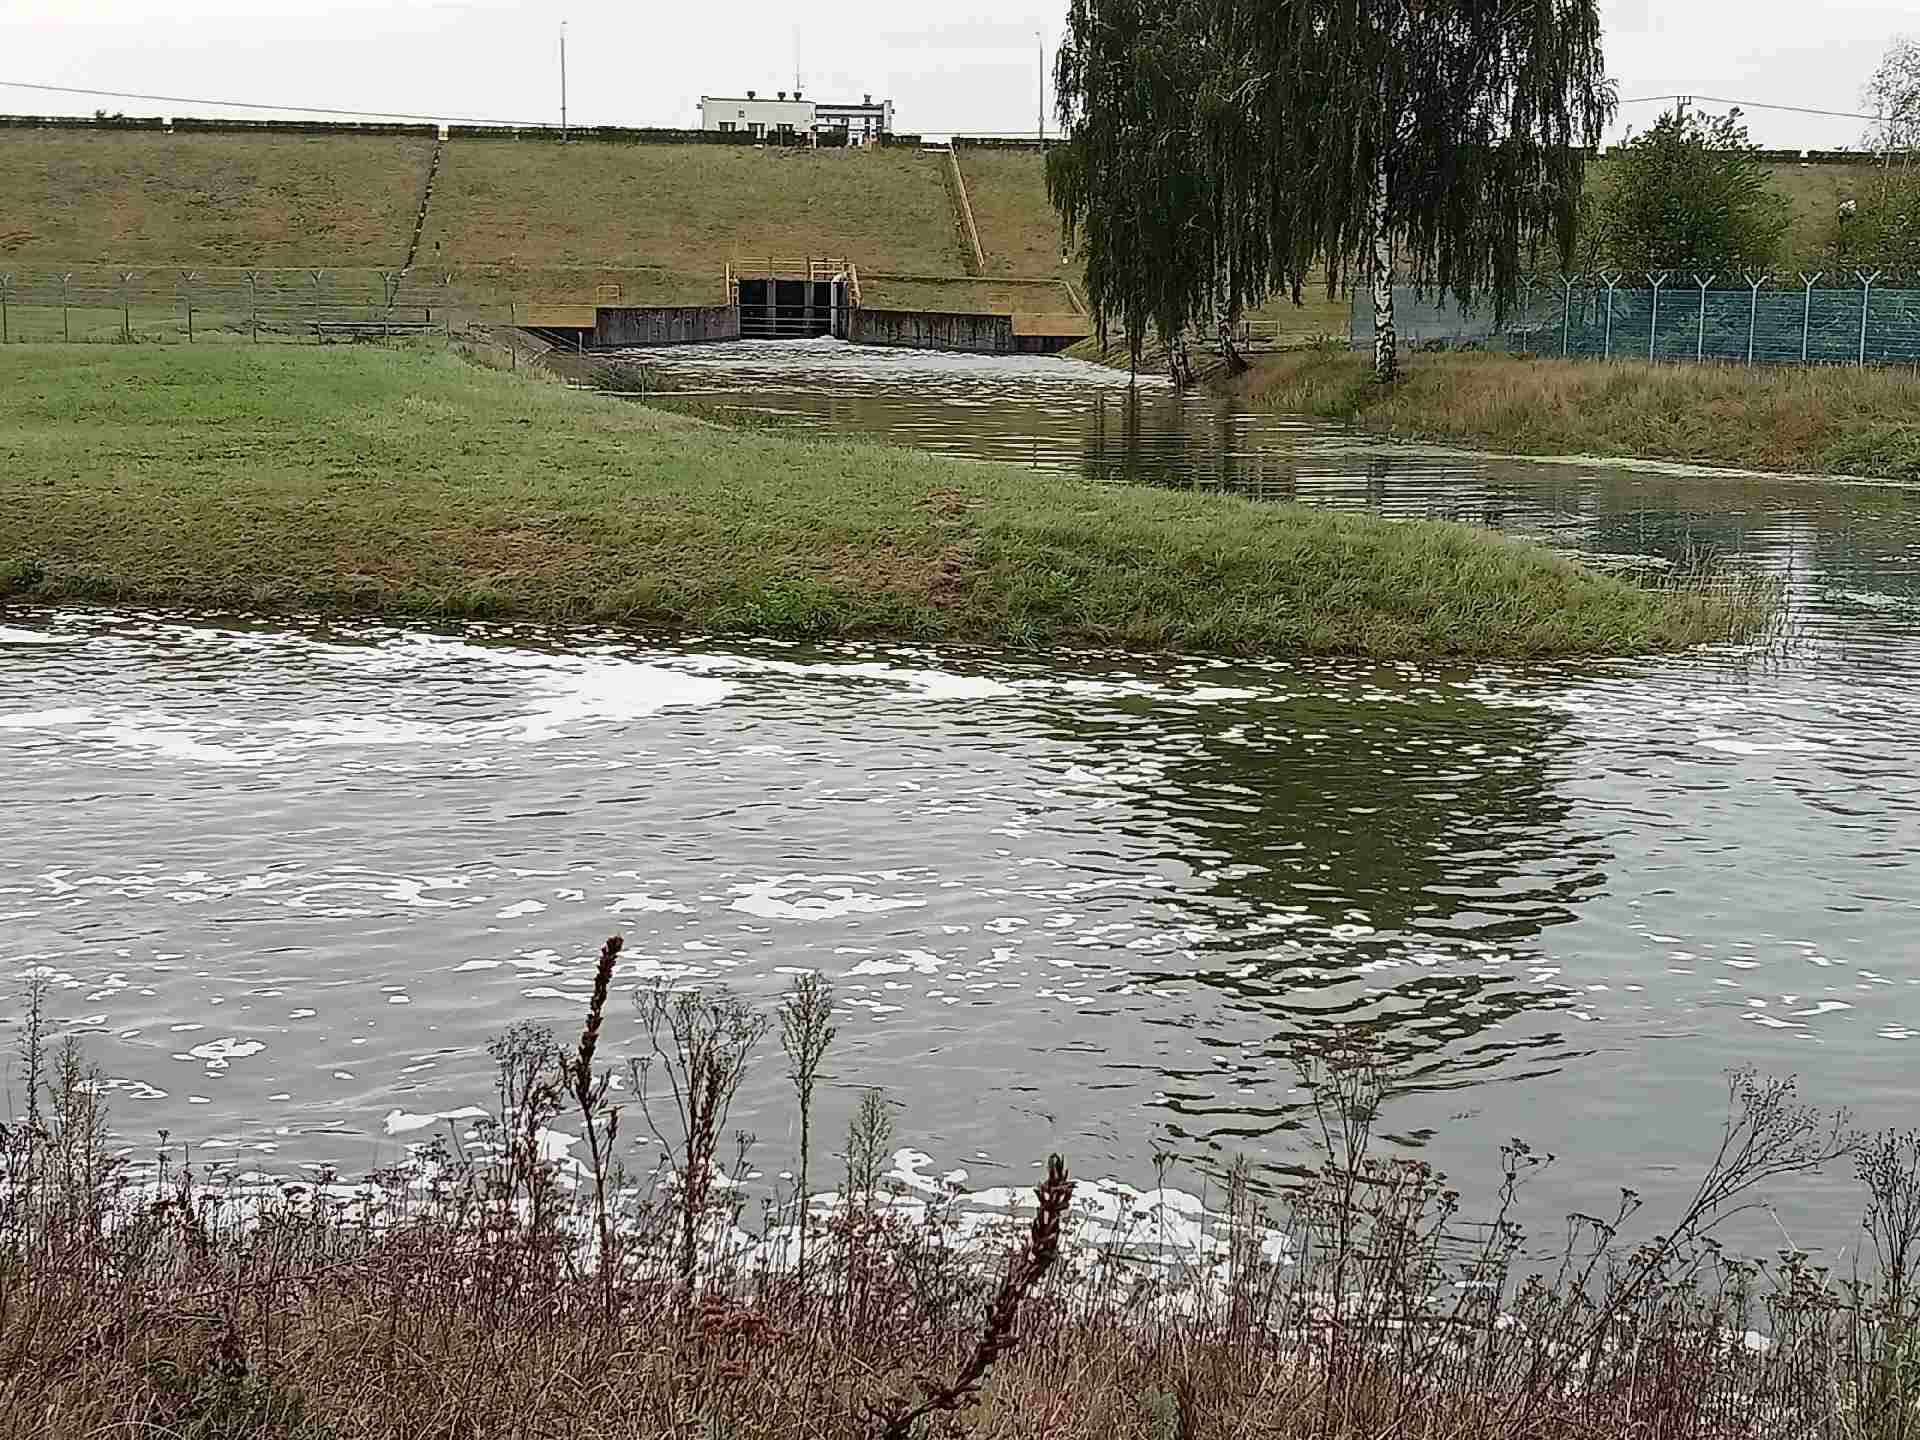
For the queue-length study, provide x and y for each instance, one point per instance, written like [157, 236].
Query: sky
[950, 67]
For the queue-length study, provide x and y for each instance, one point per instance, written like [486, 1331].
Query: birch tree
[1445, 140]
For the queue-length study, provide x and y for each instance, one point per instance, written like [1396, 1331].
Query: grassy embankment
[94, 198]
[410, 483]
[496, 1286]
[533, 220]
[511, 222]
[1811, 421]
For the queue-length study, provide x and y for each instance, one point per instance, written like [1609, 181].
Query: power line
[548, 124]
[256, 105]
[1757, 105]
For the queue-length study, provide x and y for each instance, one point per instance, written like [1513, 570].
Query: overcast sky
[967, 67]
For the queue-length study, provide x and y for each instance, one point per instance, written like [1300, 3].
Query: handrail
[966, 210]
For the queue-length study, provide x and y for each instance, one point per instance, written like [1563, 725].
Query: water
[287, 880]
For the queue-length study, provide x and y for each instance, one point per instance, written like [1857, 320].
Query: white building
[756, 114]
[860, 122]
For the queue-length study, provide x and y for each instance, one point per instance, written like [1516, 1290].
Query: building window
[726, 125]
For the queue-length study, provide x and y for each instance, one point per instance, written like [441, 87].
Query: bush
[1691, 194]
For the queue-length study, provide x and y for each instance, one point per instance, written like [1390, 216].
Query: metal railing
[128, 303]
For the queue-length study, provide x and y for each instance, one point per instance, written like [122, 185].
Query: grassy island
[410, 483]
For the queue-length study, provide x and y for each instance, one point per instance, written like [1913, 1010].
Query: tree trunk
[1226, 322]
[1386, 342]
[1179, 366]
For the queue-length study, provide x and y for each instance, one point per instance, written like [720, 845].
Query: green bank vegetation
[408, 482]
[490, 1286]
[1840, 421]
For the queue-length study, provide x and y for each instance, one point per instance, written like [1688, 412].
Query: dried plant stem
[602, 1125]
[1029, 1267]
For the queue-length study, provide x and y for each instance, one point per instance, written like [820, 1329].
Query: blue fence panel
[1731, 321]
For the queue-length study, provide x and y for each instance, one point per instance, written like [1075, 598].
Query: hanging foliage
[1220, 152]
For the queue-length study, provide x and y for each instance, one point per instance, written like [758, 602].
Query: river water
[286, 880]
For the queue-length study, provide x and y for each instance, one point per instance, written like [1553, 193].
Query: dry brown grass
[487, 1289]
[149, 198]
[1817, 421]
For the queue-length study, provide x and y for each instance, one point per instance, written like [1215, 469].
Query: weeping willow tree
[1130, 181]
[1219, 152]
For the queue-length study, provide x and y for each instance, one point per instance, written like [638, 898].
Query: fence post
[1653, 325]
[1606, 351]
[1866, 301]
[6, 288]
[1700, 342]
[1566, 315]
[253, 306]
[187, 277]
[126, 306]
[1753, 311]
[66, 330]
[1806, 310]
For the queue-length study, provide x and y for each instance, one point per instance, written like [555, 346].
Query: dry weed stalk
[600, 1121]
[700, 1042]
[806, 1030]
[894, 1420]
[454, 1299]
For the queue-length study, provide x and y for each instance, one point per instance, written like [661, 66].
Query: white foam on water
[47, 719]
[366, 730]
[1729, 744]
[585, 692]
[9, 635]
[217, 1053]
[911, 962]
[524, 907]
[816, 897]
[643, 904]
[401, 1122]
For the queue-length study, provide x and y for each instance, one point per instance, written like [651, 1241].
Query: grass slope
[684, 210]
[147, 198]
[1820, 421]
[1019, 230]
[407, 482]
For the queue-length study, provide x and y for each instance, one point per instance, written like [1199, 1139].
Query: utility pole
[1040, 45]
[563, 80]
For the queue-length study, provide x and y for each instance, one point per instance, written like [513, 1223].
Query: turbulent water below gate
[287, 880]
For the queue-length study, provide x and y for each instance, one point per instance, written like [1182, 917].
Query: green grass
[965, 297]
[1019, 230]
[406, 482]
[686, 209]
[79, 197]
[1822, 420]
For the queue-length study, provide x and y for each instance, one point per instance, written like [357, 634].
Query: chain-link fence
[1857, 317]
[111, 303]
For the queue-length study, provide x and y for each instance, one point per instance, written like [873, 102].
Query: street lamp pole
[1040, 45]
[563, 80]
